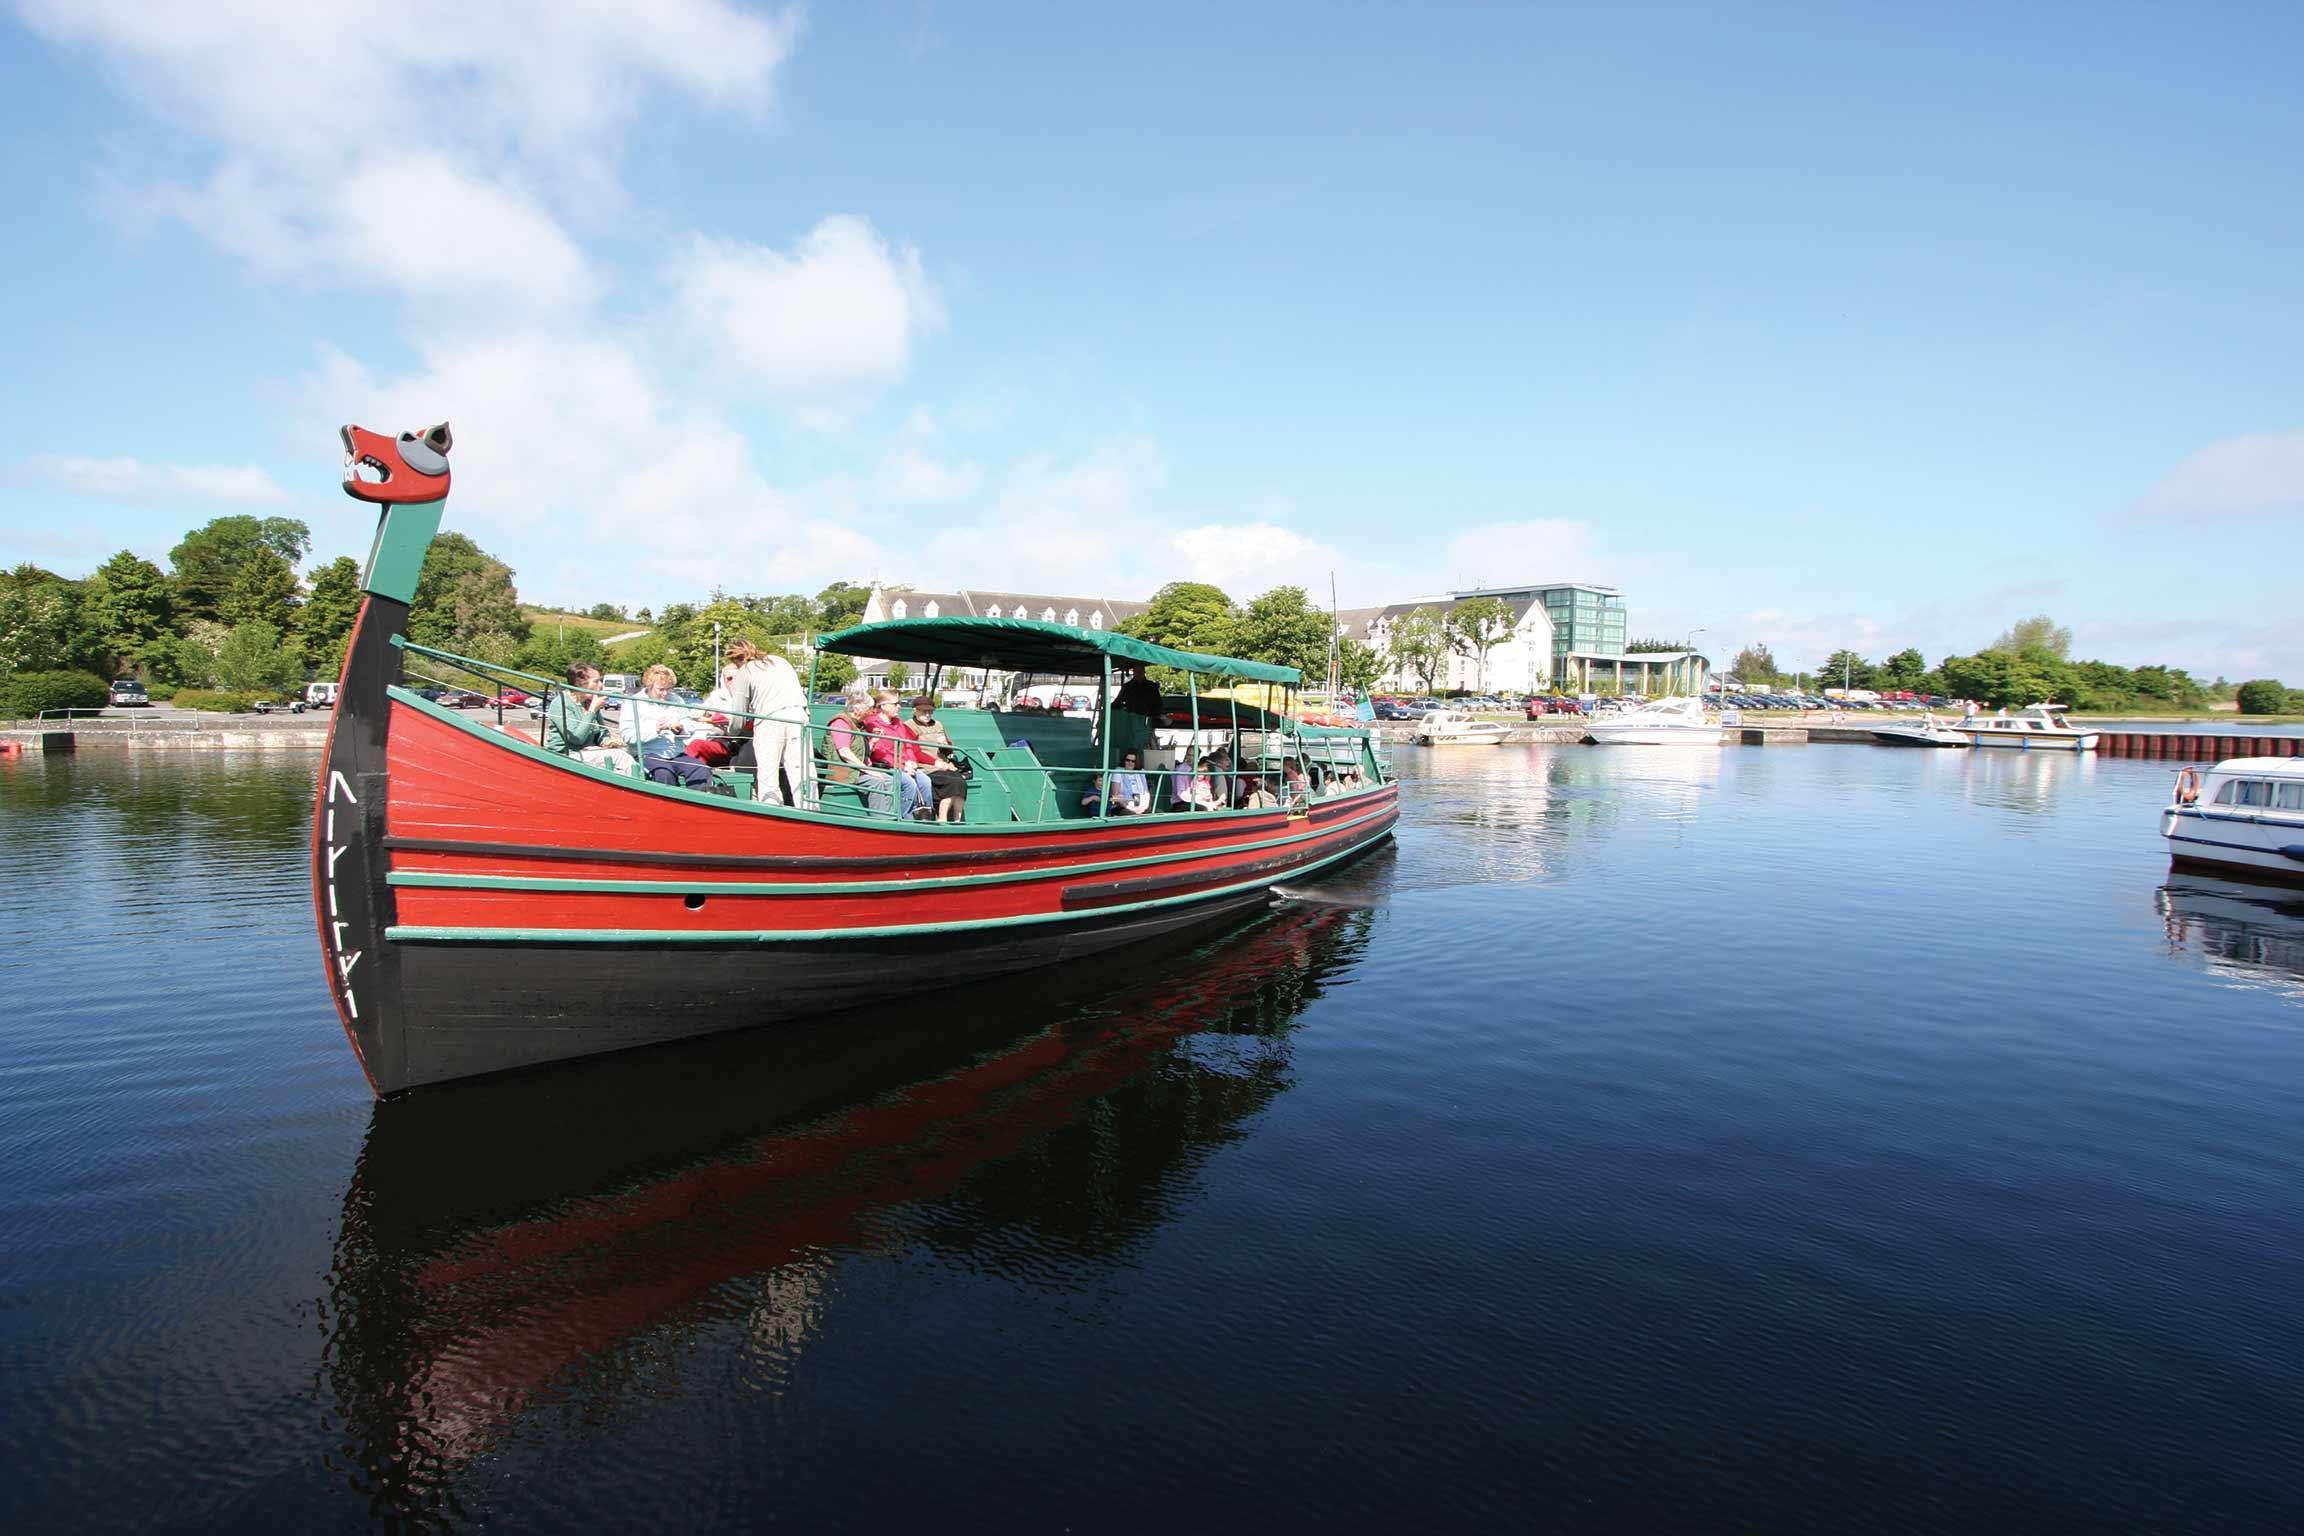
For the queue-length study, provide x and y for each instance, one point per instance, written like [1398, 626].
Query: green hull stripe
[819, 936]
[900, 830]
[429, 880]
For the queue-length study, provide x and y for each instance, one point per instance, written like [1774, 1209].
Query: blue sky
[1817, 325]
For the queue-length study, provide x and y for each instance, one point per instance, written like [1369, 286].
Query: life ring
[2188, 786]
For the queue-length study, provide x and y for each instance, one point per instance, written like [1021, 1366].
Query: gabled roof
[1027, 645]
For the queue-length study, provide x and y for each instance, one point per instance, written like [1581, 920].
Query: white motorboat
[1455, 728]
[2043, 727]
[1927, 731]
[2243, 816]
[1657, 723]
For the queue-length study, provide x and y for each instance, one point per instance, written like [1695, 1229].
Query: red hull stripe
[456, 781]
[463, 880]
[700, 935]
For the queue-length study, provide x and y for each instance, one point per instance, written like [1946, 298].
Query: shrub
[215, 700]
[2263, 696]
[25, 694]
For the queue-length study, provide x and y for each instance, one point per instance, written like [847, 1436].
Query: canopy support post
[1104, 741]
[1191, 763]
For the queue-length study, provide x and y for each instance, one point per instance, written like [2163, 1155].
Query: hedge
[24, 694]
[215, 699]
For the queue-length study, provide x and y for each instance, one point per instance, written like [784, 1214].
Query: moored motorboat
[2043, 727]
[1927, 731]
[1455, 728]
[1660, 722]
[485, 904]
[2245, 816]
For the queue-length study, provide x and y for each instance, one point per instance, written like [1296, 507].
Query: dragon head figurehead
[412, 467]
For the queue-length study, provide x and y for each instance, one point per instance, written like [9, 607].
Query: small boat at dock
[1657, 723]
[2042, 728]
[1455, 728]
[2245, 816]
[1927, 731]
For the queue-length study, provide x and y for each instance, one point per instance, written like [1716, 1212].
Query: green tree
[550, 651]
[1359, 665]
[324, 623]
[1651, 646]
[42, 624]
[1188, 615]
[1418, 643]
[833, 672]
[463, 591]
[1477, 626]
[1845, 669]
[1755, 666]
[130, 605]
[254, 659]
[785, 614]
[262, 590]
[1283, 627]
[2263, 696]
[1907, 669]
[209, 557]
[643, 617]
[899, 674]
[604, 611]
[2037, 633]
[841, 604]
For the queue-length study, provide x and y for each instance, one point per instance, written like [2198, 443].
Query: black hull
[474, 1009]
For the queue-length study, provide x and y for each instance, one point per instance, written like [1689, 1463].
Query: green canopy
[1027, 645]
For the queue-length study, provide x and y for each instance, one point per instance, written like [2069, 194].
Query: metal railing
[863, 780]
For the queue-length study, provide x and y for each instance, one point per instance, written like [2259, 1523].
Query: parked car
[512, 698]
[1394, 709]
[320, 695]
[128, 693]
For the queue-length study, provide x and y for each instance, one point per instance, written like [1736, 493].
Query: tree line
[2027, 663]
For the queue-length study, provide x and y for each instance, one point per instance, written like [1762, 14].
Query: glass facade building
[1586, 620]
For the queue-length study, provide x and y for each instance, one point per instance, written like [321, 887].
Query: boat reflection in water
[2248, 935]
[507, 1241]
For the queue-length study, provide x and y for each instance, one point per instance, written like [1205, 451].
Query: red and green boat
[486, 905]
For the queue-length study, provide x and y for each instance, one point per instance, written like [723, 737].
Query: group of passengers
[1210, 783]
[753, 721]
[905, 765]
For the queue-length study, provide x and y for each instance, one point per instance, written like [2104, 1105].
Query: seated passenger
[1126, 787]
[1201, 787]
[573, 727]
[947, 768]
[894, 745]
[659, 727]
[1295, 783]
[708, 738]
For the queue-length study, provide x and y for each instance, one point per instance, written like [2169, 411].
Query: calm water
[1658, 1139]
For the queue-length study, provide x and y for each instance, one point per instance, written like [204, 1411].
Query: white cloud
[2240, 477]
[575, 463]
[424, 148]
[1248, 558]
[910, 476]
[839, 313]
[1538, 549]
[126, 478]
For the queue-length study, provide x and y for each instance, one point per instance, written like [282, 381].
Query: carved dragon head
[412, 467]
